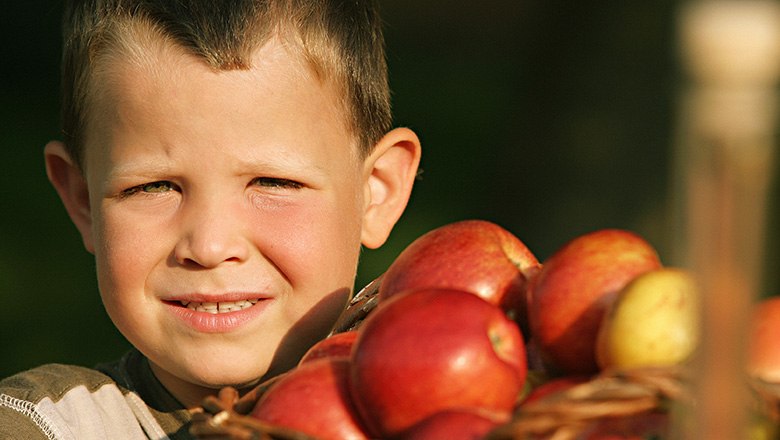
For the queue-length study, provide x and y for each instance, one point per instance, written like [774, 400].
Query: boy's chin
[241, 386]
[235, 377]
[245, 372]
[192, 385]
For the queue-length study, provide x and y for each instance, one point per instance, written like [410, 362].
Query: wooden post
[731, 49]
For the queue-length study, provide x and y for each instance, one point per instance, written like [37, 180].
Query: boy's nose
[212, 235]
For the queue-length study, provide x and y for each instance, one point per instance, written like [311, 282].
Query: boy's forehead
[144, 54]
[128, 87]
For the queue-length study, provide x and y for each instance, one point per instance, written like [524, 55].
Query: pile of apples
[465, 312]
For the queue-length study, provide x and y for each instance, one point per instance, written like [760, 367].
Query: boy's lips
[225, 297]
[219, 307]
[218, 313]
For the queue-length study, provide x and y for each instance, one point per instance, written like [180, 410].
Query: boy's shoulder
[52, 381]
[57, 401]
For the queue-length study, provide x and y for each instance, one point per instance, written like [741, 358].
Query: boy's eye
[275, 182]
[159, 186]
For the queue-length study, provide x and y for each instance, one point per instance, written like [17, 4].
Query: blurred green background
[552, 118]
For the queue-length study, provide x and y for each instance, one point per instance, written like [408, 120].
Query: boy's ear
[72, 188]
[392, 169]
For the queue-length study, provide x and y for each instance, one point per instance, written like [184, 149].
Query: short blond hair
[341, 40]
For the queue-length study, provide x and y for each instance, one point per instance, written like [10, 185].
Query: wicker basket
[616, 399]
[570, 414]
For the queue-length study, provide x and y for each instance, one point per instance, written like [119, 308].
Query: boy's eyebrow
[255, 165]
[138, 168]
[279, 167]
[279, 163]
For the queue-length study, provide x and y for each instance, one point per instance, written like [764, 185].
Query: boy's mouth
[219, 307]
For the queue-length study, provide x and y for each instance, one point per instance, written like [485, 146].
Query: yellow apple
[654, 321]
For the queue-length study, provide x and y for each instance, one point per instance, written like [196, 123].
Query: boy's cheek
[126, 251]
[317, 236]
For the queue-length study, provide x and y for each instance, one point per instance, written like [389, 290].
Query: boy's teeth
[220, 307]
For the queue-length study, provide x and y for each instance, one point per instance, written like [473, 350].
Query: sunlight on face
[226, 213]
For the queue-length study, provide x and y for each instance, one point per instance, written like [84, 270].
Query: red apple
[475, 256]
[313, 399]
[335, 345]
[426, 351]
[455, 424]
[574, 288]
[763, 360]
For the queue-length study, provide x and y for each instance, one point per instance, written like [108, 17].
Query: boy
[224, 162]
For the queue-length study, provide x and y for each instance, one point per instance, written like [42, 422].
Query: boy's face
[240, 188]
